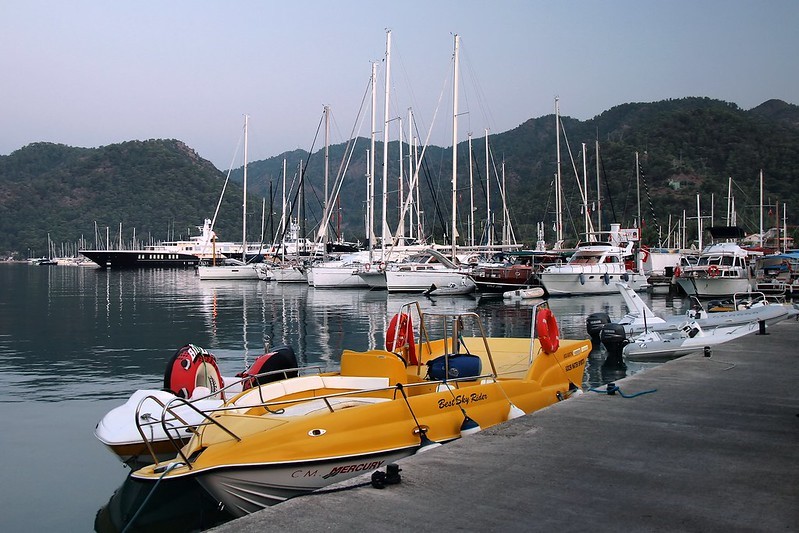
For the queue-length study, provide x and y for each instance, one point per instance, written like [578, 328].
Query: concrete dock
[715, 448]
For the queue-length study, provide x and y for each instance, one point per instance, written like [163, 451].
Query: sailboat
[234, 268]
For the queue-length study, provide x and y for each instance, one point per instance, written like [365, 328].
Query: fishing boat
[291, 437]
[595, 267]
[191, 374]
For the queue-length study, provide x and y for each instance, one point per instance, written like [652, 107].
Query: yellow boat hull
[313, 434]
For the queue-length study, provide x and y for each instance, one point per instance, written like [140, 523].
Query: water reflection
[85, 339]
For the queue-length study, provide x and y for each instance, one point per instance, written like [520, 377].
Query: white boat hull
[708, 287]
[247, 489]
[242, 272]
[567, 281]
[118, 431]
[337, 277]
[654, 347]
[375, 279]
[422, 280]
[289, 274]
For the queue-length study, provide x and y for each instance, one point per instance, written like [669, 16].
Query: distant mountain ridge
[163, 188]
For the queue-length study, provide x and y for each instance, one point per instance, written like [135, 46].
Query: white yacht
[596, 267]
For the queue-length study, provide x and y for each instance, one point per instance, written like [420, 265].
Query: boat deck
[713, 449]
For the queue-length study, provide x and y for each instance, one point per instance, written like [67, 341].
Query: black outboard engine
[614, 339]
[594, 324]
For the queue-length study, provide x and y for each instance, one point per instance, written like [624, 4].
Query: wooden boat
[191, 374]
[291, 437]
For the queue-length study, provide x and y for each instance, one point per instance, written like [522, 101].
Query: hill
[162, 188]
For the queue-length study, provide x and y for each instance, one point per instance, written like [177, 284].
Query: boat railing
[172, 422]
[278, 407]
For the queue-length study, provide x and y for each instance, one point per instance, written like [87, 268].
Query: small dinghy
[524, 294]
[194, 385]
[466, 286]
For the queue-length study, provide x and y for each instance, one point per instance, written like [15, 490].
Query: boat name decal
[575, 364]
[353, 468]
[462, 399]
[304, 473]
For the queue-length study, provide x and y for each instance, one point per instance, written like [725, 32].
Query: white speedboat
[743, 311]
[688, 338]
[139, 433]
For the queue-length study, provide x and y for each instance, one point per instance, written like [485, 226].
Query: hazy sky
[92, 73]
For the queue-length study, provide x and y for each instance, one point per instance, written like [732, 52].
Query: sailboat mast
[489, 226]
[385, 231]
[761, 207]
[244, 203]
[454, 146]
[598, 194]
[638, 191]
[370, 200]
[327, 205]
[471, 195]
[585, 193]
[558, 197]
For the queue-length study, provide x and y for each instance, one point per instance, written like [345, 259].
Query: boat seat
[302, 384]
[374, 363]
[354, 382]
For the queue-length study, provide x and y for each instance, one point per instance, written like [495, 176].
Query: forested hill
[163, 189]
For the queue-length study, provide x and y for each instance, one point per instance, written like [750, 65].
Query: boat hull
[247, 489]
[242, 272]
[422, 280]
[572, 281]
[708, 287]
[338, 277]
[141, 259]
[659, 349]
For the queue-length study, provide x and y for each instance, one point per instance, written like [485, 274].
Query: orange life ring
[713, 271]
[547, 329]
[367, 266]
[399, 335]
[645, 256]
[677, 272]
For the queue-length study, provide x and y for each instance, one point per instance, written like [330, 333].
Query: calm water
[76, 342]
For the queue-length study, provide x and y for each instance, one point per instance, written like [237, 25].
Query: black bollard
[762, 324]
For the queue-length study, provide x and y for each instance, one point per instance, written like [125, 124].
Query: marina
[111, 332]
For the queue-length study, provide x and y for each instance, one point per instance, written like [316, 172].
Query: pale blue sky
[92, 73]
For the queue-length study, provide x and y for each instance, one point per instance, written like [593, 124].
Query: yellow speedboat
[291, 437]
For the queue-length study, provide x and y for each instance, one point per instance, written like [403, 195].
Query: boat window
[727, 260]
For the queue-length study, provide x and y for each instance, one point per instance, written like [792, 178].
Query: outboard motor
[614, 339]
[594, 324]
[280, 358]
